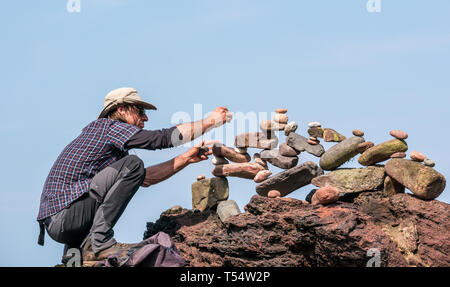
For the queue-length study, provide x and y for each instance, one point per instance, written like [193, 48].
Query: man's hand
[219, 116]
[194, 155]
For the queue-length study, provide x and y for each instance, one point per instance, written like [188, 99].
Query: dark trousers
[93, 216]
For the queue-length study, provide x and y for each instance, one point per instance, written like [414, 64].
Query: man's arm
[157, 173]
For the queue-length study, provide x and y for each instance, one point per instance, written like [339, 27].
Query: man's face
[135, 116]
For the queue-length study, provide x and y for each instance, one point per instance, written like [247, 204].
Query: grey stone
[226, 209]
[207, 192]
[300, 143]
[340, 153]
[275, 158]
[429, 162]
[286, 150]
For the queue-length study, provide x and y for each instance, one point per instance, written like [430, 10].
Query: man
[94, 178]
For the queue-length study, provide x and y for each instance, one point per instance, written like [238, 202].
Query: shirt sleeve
[120, 133]
[152, 139]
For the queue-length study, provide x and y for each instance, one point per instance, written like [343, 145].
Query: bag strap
[41, 232]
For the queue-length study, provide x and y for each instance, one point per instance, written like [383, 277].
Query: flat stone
[382, 152]
[274, 194]
[314, 124]
[362, 147]
[270, 125]
[316, 132]
[325, 195]
[425, 182]
[313, 142]
[200, 177]
[262, 175]
[290, 180]
[392, 187]
[257, 159]
[218, 160]
[286, 150]
[207, 192]
[429, 162]
[226, 209]
[401, 135]
[246, 170]
[281, 111]
[300, 143]
[256, 140]
[340, 153]
[399, 155]
[275, 158]
[417, 156]
[351, 180]
[358, 133]
[330, 135]
[290, 127]
[280, 118]
[230, 153]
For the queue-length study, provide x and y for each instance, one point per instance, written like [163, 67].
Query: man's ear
[122, 111]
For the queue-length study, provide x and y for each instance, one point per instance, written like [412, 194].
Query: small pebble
[262, 175]
[401, 135]
[358, 133]
[429, 162]
[200, 177]
[313, 138]
[290, 127]
[281, 111]
[417, 156]
[311, 142]
[398, 155]
[314, 124]
[274, 194]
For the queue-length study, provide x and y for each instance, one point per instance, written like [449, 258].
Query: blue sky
[326, 61]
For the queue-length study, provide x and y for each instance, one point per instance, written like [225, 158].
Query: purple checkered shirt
[100, 144]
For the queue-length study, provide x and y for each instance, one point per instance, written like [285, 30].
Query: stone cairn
[417, 173]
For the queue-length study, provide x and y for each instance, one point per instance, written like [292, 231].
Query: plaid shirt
[100, 144]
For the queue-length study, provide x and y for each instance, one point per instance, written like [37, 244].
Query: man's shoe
[118, 249]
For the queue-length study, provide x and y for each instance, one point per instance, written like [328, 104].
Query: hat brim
[145, 105]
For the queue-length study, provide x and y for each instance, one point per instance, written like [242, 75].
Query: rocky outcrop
[407, 231]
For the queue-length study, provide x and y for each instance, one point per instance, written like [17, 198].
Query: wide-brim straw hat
[123, 96]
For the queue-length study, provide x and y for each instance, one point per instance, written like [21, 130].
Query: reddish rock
[281, 111]
[330, 135]
[257, 159]
[399, 155]
[221, 150]
[244, 170]
[358, 133]
[325, 195]
[286, 232]
[313, 142]
[417, 156]
[362, 147]
[262, 175]
[200, 177]
[273, 194]
[401, 135]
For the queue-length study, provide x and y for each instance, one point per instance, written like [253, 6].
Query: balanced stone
[398, 155]
[255, 140]
[176, 209]
[362, 147]
[382, 152]
[273, 194]
[281, 111]
[314, 124]
[316, 132]
[241, 150]
[230, 153]
[290, 127]
[244, 170]
[200, 177]
[429, 162]
[358, 133]
[286, 150]
[312, 142]
[330, 135]
[270, 125]
[257, 158]
[275, 158]
[351, 180]
[401, 135]
[262, 175]
[290, 180]
[280, 118]
[218, 160]
[392, 187]
[226, 209]
[300, 143]
[207, 192]
[417, 156]
[340, 153]
[325, 195]
[425, 182]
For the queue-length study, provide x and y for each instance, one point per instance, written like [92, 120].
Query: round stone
[417, 156]
[274, 194]
[325, 195]
[401, 135]
[429, 162]
[314, 124]
[281, 111]
[399, 155]
[358, 133]
[200, 177]
[290, 128]
[280, 118]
